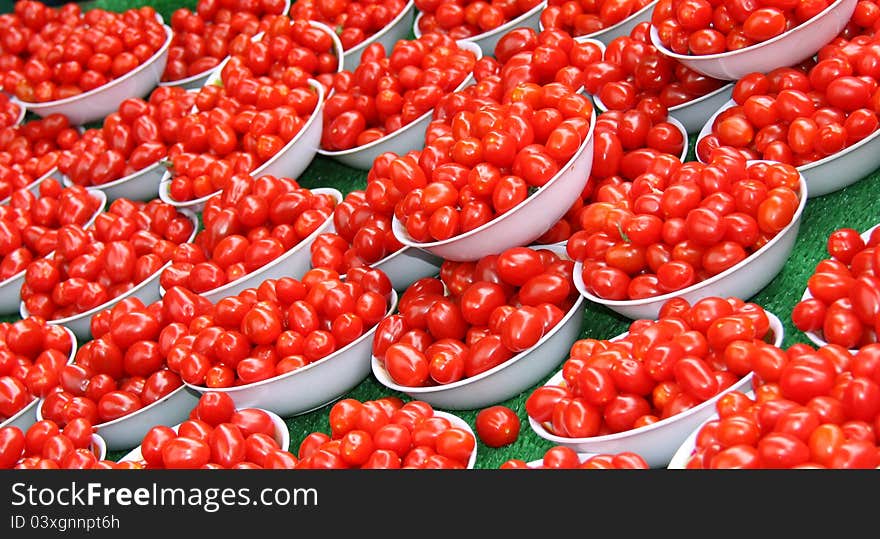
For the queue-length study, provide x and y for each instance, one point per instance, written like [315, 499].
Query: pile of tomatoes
[355, 20]
[9, 111]
[31, 151]
[657, 370]
[32, 353]
[46, 446]
[389, 91]
[249, 225]
[564, 458]
[61, 53]
[585, 17]
[469, 18]
[477, 316]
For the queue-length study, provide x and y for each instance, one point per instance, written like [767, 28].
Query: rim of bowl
[98, 446]
[392, 305]
[579, 284]
[655, 39]
[648, 7]
[813, 335]
[119, 181]
[287, 254]
[103, 205]
[409, 6]
[503, 29]
[38, 181]
[22, 110]
[705, 97]
[207, 72]
[36, 401]
[109, 84]
[165, 180]
[559, 249]
[464, 45]
[460, 423]
[778, 333]
[107, 304]
[403, 236]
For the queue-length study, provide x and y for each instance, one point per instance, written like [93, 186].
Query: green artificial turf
[857, 206]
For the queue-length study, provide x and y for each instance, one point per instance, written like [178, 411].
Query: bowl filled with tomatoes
[481, 346]
[46, 349]
[135, 254]
[561, 457]
[603, 21]
[48, 446]
[742, 254]
[770, 37]
[349, 139]
[291, 365]
[610, 401]
[81, 209]
[524, 205]
[398, 28]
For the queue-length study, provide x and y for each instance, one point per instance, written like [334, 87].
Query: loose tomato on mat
[497, 426]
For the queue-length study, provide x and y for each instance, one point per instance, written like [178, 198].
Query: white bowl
[147, 291]
[409, 137]
[488, 40]
[393, 32]
[139, 185]
[764, 264]
[815, 337]
[309, 387]
[786, 49]
[293, 263]
[657, 442]
[831, 173]
[10, 289]
[194, 82]
[407, 265]
[623, 28]
[289, 162]
[692, 115]
[95, 104]
[27, 416]
[525, 222]
[460, 423]
[282, 436]
[506, 380]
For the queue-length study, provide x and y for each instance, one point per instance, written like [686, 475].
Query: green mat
[857, 206]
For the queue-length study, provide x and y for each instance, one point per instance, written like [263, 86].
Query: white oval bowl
[27, 416]
[311, 386]
[525, 222]
[488, 40]
[147, 291]
[139, 185]
[764, 264]
[786, 49]
[460, 423]
[506, 380]
[657, 442]
[396, 30]
[831, 173]
[407, 138]
[295, 262]
[10, 289]
[194, 82]
[282, 436]
[814, 336]
[622, 28]
[289, 162]
[95, 104]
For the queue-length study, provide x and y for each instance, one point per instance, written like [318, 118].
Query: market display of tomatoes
[476, 316]
[387, 434]
[30, 224]
[564, 458]
[390, 90]
[126, 245]
[250, 224]
[468, 18]
[701, 27]
[31, 151]
[844, 300]
[47, 446]
[585, 17]
[799, 116]
[59, 53]
[678, 224]
[202, 38]
[10, 111]
[657, 370]
[133, 138]
[32, 353]
[354, 20]
[810, 409]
